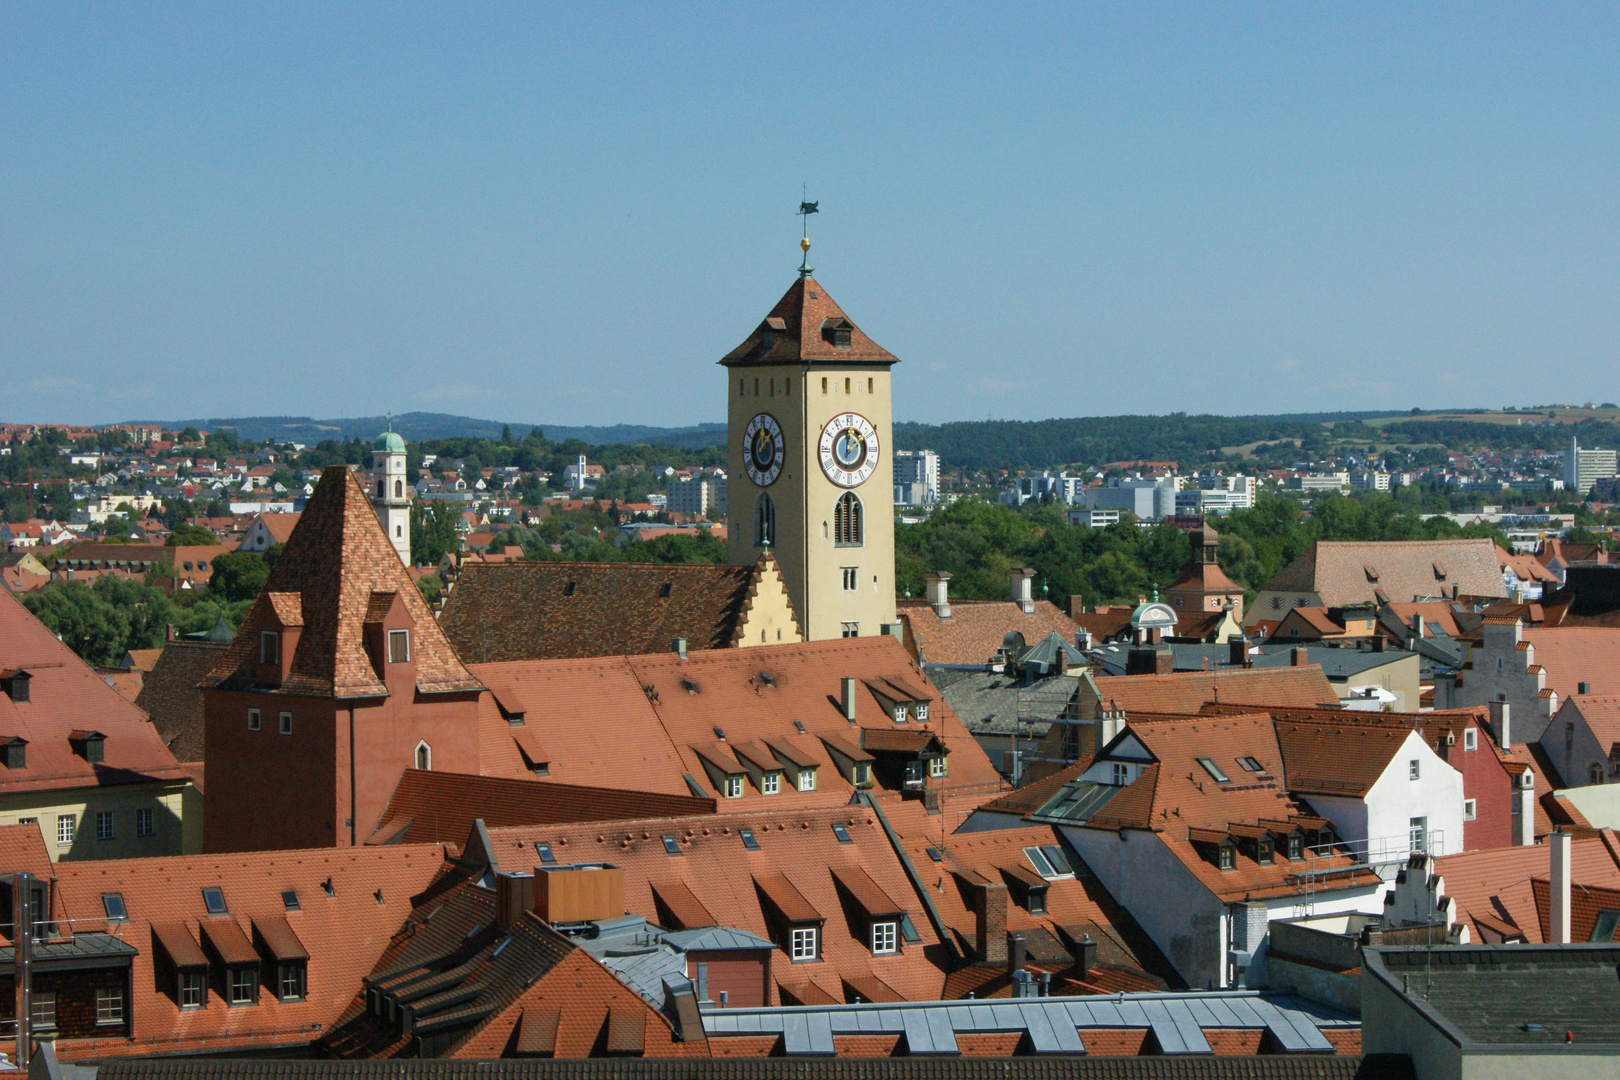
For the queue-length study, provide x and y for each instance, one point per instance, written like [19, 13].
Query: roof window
[1049, 862]
[719, 732]
[542, 851]
[841, 833]
[289, 900]
[1603, 930]
[798, 725]
[671, 847]
[936, 854]
[1213, 769]
[214, 901]
[113, 904]
[568, 589]
[1250, 764]
[747, 837]
[664, 589]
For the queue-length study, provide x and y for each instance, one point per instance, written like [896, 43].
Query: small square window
[113, 905]
[671, 846]
[1412, 769]
[884, 935]
[145, 822]
[109, 1006]
[291, 982]
[747, 838]
[851, 578]
[850, 629]
[284, 723]
[900, 714]
[253, 719]
[214, 901]
[841, 833]
[807, 779]
[1122, 774]
[193, 988]
[104, 825]
[936, 767]
[804, 944]
[542, 851]
[733, 787]
[289, 900]
[1468, 809]
[1228, 857]
[242, 985]
[399, 646]
[1471, 739]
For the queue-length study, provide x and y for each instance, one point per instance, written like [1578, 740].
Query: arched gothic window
[424, 756]
[399, 489]
[380, 488]
[847, 528]
[764, 521]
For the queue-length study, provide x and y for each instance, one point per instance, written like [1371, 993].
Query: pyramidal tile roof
[336, 560]
[804, 325]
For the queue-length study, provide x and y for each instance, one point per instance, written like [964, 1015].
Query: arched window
[764, 521]
[847, 520]
[424, 756]
[399, 489]
[380, 488]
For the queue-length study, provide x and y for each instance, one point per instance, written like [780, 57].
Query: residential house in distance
[266, 531]
[939, 630]
[1341, 574]
[81, 762]
[495, 613]
[193, 564]
[1368, 678]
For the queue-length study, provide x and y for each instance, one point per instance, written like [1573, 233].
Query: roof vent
[770, 680]
[719, 732]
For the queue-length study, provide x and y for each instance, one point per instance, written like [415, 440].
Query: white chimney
[937, 588]
[1021, 583]
[1558, 931]
[1526, 794]
[1500, 725]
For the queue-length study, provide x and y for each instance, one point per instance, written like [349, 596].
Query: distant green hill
[422, 425]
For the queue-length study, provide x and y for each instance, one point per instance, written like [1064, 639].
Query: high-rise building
[1583, 468]
[916, 477]
[811, 450]
[391, 495]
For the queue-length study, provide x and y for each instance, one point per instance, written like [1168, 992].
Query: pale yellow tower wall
[770, 618]
[811, 562]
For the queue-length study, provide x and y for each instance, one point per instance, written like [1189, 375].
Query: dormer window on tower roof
[836, 332]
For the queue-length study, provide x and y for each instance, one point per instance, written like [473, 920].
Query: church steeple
[391, 497]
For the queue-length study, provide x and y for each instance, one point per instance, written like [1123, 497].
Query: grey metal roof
[716, 937]
[96, 948]
[1336, 663]
[1054, 1025]
[650, 960]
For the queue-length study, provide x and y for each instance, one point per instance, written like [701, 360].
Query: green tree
[101, 622]
[434, 531]
[237, 575]
[186, 533]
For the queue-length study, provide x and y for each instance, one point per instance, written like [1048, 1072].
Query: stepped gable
[501, 612]
[804, 326]
[336, 561]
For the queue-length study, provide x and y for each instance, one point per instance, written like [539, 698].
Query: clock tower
[810, 462]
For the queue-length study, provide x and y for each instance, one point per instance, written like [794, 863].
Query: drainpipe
[22, 914]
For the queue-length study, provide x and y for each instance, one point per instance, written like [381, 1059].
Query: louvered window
[847, 520]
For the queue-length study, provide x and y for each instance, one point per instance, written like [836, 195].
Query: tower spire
[805, 210]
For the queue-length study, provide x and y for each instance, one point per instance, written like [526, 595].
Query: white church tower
[391, 496]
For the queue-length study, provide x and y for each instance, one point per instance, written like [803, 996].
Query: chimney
[1500, 727]
[679, 646]
[1378, 643]
[1558, 931]
[1164, 662]
[936, 586]
[170, 633]
[848, 699]
[1062, 662]
[1298, 657]
[1021, 583]
[1085, 954]
[1238, 651]
[514, 894]
[1015, 952]
[990, 922]
[1082, 639]
[1583, 688]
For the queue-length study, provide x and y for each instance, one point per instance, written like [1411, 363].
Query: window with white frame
[807, 779]
[66, 826]
[884, 938]
[291, 981]
[1413, 769]
[900, 713]
[193, 988]
[733, 787]
[145, 822]
[936, 767]
[1468, 809]
[850, 629]
[104, 824]
[1122, 774]
[803, 943]
[109, 1005]
[399, 646]
[284, 723]
[922, 712]
[1471, 739]
[770, 783]
[1049, 862]
[253, 719]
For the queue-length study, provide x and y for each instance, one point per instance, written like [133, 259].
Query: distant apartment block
[1216, 493]
[699, 496]
[1584, 468]
[916, 477]
[1337, 481]
[1147, 499]
[1370, 480]
[1063, 488]
[1093, 519]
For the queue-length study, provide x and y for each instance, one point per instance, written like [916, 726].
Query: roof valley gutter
[940, 928]
[675, 747]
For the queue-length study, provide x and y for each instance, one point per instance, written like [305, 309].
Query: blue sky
[566, 214]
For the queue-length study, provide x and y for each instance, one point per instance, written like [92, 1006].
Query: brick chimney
[1298, 657]
[936, 586]
[990, 922]
[1558, 929]
[1238, 651]
[1021, 584]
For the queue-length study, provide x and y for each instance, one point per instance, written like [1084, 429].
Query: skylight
[1250, 764]
[214, 901]
[1049, 861]
[671, 846]
[841, 832]
[542, 851]
[799, 726]
[1213, 769]
[113, 903]
[748, 839]
[1603, 929]
[936, 854]
[289, 899]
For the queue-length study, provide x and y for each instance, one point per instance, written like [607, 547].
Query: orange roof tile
[1496, 883]
[976, 628]
[1572, 655]
[1187, 691]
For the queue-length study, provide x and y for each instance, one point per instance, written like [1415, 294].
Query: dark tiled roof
[977, 629]
[337, 558]
[1344, 573]
[795, 331]
[499, 612]
[171, 697]
[1050, 1067]
[429, 807]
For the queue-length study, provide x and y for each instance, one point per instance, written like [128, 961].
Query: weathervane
[805, 210]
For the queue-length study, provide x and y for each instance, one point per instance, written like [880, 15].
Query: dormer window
[807, 779]
[269, 647]
[1226, 857]
[399, 646]
[900, 713]
[16, 752]
[1296, 847]
[922, 712]
[733, 787]
[88, 745]
[836, 332]
[1263, 852]
[16, 683]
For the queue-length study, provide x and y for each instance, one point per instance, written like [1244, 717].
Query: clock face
[849, 449]
[762, 449]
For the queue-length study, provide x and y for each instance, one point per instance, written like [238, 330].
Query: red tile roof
[976, 629]
[170, 694]
[1342, 755]
[1346, 573]
[337, 558]
[1495, 884]
[65, 693]
[799, 329]
[428, 807]
[1187, 691]
[1573, 655]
